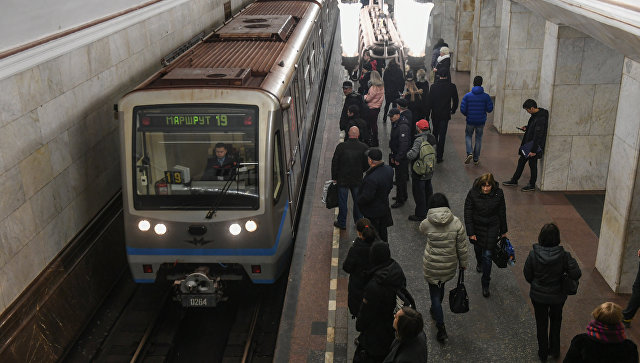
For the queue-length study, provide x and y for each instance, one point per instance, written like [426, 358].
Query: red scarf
[605, 332]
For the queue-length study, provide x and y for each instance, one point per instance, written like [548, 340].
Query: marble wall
[444, 23]
[617, 258]
[464, 34]
[518, 66]
[583, 87]
[59, 142]
[484, 45]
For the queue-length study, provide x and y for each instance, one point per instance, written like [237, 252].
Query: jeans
[422, 191]
[634, 301]
[436, 293]
[483, 258]
[545, 313]
[468, 134]
[440, 132]
[533, 165]
[343, 197]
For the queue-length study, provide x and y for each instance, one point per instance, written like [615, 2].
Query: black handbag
[331, 201]
[458, 298]
[500, 255]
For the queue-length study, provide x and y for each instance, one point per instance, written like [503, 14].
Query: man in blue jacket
[475, 105]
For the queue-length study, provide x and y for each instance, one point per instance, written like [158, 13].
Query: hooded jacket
[356, 265]
[446, 246]
[485, 215]
[375, 319]
[544, 269]
[475, 105]
[374, 97]
[400, 139]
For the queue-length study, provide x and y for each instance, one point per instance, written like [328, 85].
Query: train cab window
[196, 156]
[277, 168]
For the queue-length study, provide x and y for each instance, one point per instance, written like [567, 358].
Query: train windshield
[196, 157]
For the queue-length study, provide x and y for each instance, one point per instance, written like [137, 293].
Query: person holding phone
[535, 132]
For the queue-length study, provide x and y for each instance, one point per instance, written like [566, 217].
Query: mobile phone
[520, 128]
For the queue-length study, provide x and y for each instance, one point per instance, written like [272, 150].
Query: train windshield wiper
[225, 189]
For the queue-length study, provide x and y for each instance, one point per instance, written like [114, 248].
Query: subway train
[215, 146]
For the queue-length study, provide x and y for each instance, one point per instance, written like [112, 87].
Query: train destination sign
[179, 121]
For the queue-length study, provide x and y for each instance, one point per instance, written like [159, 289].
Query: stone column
[518, 66]
[464, 34]
[617, 258]
[484, 46]
[444, 23]
[581, 90]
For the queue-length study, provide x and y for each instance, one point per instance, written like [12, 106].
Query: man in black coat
[354, 119]
[399, 143]
[443, 102]
[348, 163]
[375, 318]
[403, 106]
[373, 194]
[351, 98]
[393, 85]
[536, 133]
[364, 79]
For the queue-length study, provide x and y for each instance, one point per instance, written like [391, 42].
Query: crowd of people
[419, 117]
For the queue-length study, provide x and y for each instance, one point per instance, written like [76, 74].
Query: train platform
[316, 325]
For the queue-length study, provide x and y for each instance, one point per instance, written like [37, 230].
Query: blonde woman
[374, 98]
[414, 96]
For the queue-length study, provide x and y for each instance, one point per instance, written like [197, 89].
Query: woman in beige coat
[446, 249]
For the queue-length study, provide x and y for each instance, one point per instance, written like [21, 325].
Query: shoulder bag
[569, 285]
[458, 298]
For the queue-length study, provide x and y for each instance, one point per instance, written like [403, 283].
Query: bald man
[347, 166]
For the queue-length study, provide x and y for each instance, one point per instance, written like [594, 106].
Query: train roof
[256, 49]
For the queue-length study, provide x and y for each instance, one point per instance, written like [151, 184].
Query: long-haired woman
[374, 98]
[357, 263]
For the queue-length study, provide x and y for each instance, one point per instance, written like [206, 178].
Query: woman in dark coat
[357, 263]
[485, 218]
[605, 339]
[375, 319]
[393, 79]
[544, 269]
[410, 345]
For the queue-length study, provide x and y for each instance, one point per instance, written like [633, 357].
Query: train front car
[210, 179]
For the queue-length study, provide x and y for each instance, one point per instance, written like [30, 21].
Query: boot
[441, 335]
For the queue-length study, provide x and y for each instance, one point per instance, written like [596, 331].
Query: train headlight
[251, 226]
[160, 229]
[144, 225]
[235, 229]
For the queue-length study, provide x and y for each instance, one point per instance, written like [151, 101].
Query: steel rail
[147, 334]
[254, 321]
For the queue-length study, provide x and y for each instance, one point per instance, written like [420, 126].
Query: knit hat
[402, 102]
[393, 111]
[379, 253]
[347, 84]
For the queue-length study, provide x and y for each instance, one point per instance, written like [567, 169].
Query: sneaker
[528, 188]
[476, 162]
[468, 159]
[441, 335]
[510, 183]
[415, 218]
[485, 291]
[627, 323]
[337, 225]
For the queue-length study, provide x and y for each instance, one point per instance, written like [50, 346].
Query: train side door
[292, 151]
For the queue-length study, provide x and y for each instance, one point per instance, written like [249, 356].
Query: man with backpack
[423, 156]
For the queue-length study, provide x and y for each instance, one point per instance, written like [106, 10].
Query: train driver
[219, 165]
